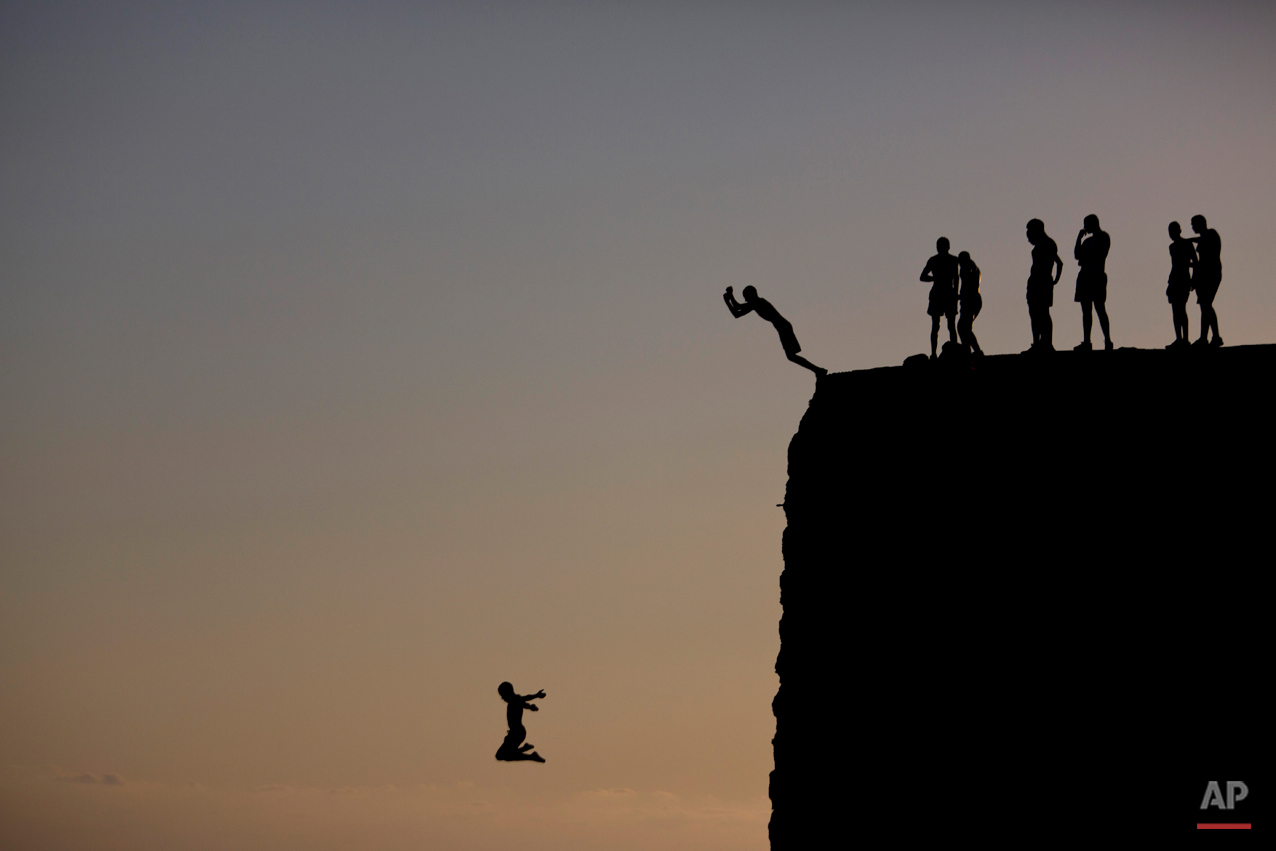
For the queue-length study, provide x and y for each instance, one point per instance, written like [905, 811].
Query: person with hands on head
[1093, 245]
[513, 749]
[753, 303]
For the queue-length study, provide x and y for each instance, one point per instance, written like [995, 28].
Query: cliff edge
[1006, 585]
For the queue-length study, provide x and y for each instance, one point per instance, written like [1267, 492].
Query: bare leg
[1180, 323]
[1101, 309]
[521, 756]
[967, 333]
[1087, 321]
[1211, 321]
[1047, 329]
[934, 336]
[512, 749]
[952, 329]
[801, 361]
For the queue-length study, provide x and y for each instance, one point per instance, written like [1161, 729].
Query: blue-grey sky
[357, 357]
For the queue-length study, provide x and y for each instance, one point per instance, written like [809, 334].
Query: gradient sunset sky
[357, 357]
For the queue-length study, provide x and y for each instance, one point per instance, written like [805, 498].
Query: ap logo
[1214, 797]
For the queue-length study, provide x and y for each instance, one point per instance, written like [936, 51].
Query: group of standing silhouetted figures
[1195, 267]
[1195, 264]
[955, 283]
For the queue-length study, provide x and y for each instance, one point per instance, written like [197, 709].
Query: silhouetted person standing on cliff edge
[971, 301]
[1207, 277]
[942, 269]
[763, 308]
[1041, 281]
[1182, 260]
[1092, 280]
[512, 749]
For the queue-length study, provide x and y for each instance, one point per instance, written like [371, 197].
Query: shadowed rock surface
[1021, 592]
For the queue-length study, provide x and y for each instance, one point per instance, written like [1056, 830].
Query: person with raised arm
[513, 749]
[753, 303]
[1091, 252]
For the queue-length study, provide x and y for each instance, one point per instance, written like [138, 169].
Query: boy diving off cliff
[512, 749]
[763, 308]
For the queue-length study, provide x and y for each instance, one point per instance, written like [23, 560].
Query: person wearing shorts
[942, 270]
[1091, 252]
[753, 303]
[1207, 276]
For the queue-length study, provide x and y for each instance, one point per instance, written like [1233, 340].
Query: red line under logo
[1222, 827]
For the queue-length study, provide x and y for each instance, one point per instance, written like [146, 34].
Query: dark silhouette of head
[506, 691]
[1175, 230]
[1036, 229]
[1091, 223]
[964, 256]
[750, 293]
[1198, 224]
[941, 245]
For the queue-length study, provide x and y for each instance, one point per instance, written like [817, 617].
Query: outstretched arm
[737, 309]
[538, 694]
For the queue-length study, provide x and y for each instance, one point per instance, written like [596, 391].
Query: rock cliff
[1006, 584]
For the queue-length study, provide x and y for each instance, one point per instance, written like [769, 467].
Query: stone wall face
[1001, 582]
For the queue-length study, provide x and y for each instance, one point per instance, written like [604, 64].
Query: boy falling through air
[753, 303]
[513, 749]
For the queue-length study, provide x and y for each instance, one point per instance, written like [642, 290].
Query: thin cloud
[108, 779]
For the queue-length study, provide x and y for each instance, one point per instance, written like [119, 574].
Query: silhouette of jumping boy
[1207, 276]
[513, 749]
[942, 269]
[763, 308]
[1091, 252]
[1182, 261]
[1041, 281]
[971, 301]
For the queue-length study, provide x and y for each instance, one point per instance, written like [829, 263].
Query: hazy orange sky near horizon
[357, 357]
